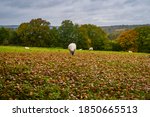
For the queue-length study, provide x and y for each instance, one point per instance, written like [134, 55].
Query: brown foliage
[87, 75]
[127, 40]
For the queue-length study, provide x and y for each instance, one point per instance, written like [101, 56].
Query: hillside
[111, 29]
[10, 26]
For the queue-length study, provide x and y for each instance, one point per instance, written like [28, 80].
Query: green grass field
[46, 73]
[32, 49]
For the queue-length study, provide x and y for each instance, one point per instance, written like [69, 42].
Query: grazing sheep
[91, 48]
[27, 48]
[72, 47]
[80, 49]
[130, 51]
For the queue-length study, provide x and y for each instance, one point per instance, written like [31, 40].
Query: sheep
[27, 48]
[91, 48]
[72, 47]
[130, 51]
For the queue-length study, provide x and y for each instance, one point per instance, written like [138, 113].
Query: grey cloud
[99, 12]
[48, 3]
[16, 3]
[31, 3]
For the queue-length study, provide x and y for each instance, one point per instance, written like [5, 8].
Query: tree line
[37, 33]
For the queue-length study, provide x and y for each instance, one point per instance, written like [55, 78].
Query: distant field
[46, 73]
[22, 49]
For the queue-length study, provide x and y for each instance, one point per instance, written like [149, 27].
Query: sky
[98, 12]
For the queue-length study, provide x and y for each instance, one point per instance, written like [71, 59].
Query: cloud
[99, 12]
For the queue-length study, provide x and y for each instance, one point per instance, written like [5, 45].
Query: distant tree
[23, 33]
[114, 34]
[68, 33]
[7, 36]
[93, 36]
[35, 33]
[143, 39]
[84, 40]
[113, 45]
[13, 38]
[54, 34]
[108, 45]
[127, 40]
[4, 36]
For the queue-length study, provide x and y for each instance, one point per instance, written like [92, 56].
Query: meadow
[53, 74]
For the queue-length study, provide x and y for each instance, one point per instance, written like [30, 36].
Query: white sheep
[130, 51]
[72, 47]
[27, 48]
[91, 48]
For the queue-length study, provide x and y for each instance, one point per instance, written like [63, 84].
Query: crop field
[53, 74]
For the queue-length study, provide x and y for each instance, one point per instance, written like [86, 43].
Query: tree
[4, 36]
[54, 34]
[127, 40]
[92, 36]
[8, 36]
[13, 38]
[113, 35]
[68, 33]
[35, 33]
[84, 41]
[143, 39]
[24, 34]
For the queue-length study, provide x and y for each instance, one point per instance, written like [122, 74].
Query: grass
[47, 73]
[32, 49]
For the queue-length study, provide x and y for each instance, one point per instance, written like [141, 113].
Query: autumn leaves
[88, 75]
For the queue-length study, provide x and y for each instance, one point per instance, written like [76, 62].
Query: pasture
[53, 74]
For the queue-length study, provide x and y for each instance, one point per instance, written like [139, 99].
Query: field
[43, 73]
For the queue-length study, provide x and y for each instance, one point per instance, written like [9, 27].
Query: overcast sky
[98, 12]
